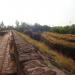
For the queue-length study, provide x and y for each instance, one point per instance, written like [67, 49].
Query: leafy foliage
[39, 28]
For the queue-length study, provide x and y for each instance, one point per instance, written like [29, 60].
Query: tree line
[24, 27]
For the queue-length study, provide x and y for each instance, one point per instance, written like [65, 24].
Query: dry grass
[54, 40]
[66, 37]
[67, 62]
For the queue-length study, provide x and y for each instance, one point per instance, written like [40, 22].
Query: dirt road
[6, 64]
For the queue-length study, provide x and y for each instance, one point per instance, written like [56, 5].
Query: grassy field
[65, 47]
[64, 62]
[57, 39]
[66, 37]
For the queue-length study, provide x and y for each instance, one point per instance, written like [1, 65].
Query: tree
[17, 25]
[1, 25]
[46, 28]
[73, 29]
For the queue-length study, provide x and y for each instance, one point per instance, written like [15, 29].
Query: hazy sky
[50, 12]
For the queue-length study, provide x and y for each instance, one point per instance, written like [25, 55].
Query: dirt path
[3, 44]
[9, 66]
[6, 64]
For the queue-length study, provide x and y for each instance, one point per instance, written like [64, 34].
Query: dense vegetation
[39, 28]
[23, 27]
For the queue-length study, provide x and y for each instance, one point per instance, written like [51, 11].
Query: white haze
[49, 12]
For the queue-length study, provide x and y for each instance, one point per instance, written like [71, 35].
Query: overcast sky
[50, 12]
